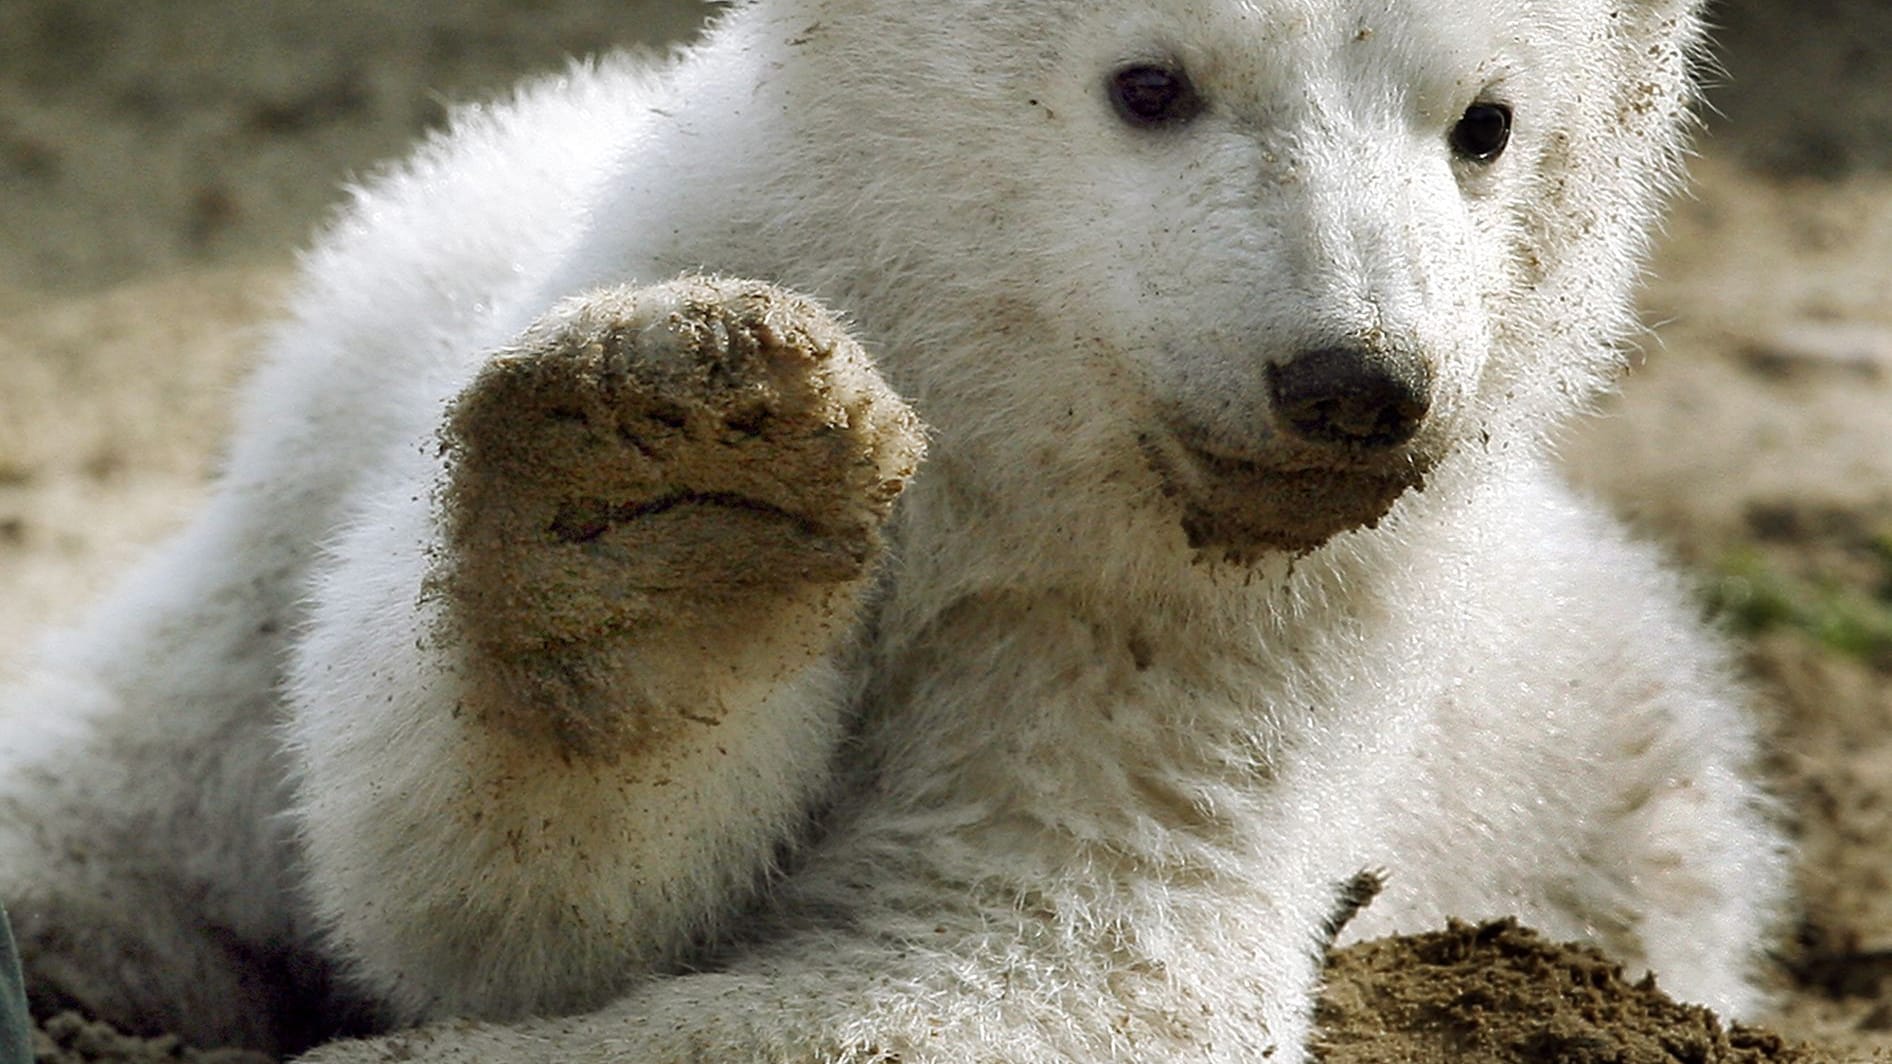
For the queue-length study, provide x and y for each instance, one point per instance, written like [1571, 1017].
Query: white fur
[1067, 788]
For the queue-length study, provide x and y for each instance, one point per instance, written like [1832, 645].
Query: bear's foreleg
[571, 681]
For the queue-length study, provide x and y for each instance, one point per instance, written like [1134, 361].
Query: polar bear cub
[1008, 649]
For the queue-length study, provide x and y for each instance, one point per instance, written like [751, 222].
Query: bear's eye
[1482, 132]
[1153, 95]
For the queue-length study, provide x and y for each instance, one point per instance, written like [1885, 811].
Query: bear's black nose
[1344, 395]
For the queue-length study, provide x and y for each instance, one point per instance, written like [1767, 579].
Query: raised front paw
[661, 466]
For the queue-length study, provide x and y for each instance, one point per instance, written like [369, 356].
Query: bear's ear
[1686, 8]
[1607, 158]
[1660, 50]
[1676, 23]
[1681, 12]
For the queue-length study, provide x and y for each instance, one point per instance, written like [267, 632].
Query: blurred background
[161, 162]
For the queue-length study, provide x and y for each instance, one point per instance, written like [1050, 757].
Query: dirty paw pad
[706, 439]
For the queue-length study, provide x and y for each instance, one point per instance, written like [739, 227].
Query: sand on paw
[610, 466]
[648, 476]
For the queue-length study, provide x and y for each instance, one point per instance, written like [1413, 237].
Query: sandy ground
[158, 163]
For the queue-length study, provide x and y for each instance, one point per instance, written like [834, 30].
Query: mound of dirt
[1498, 993]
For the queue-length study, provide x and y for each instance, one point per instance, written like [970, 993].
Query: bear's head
[1242, 273]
